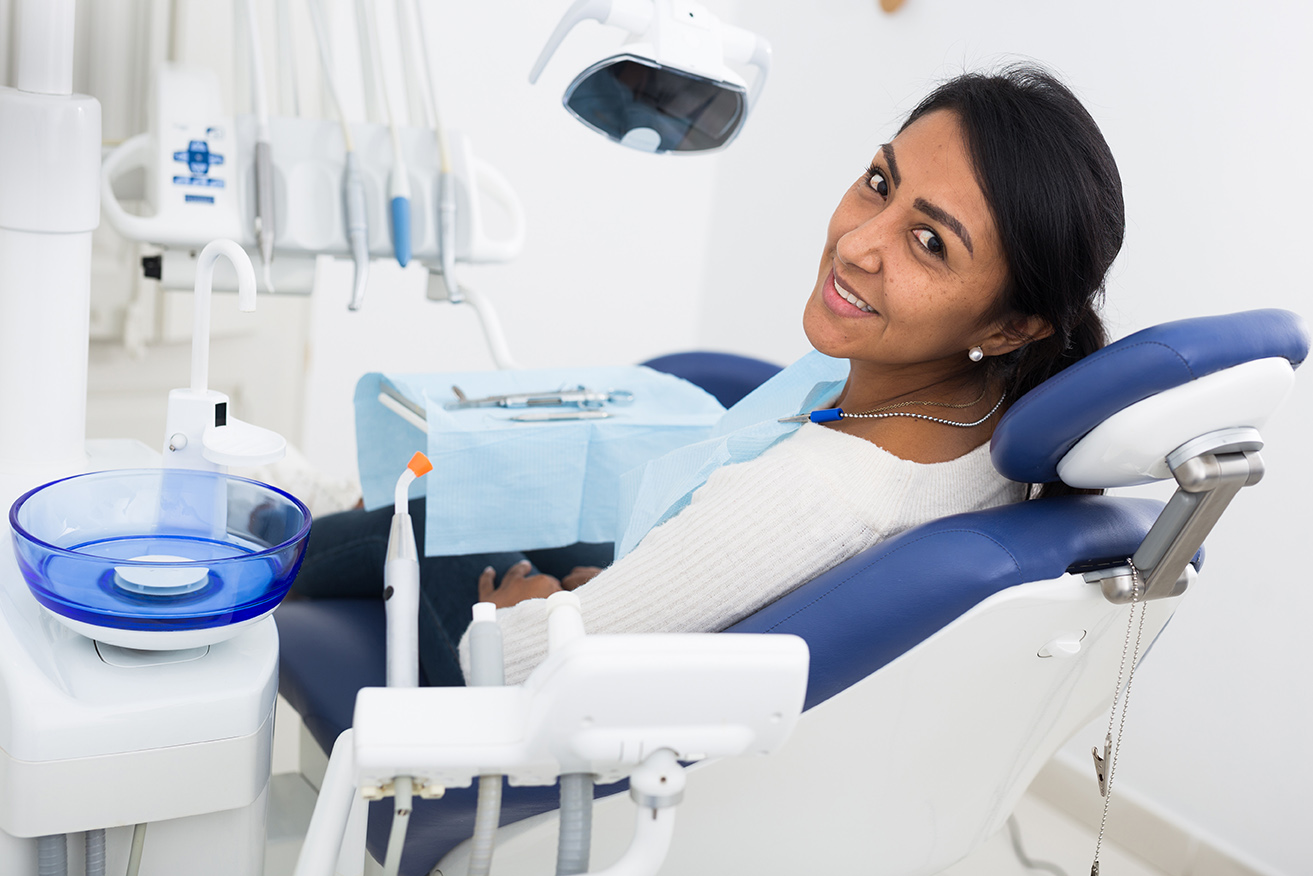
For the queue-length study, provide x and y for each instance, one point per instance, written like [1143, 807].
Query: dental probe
[400, 182]
[264, 161]
[353, 185]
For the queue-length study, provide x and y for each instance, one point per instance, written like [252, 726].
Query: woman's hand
[517, 585]
[579, 576]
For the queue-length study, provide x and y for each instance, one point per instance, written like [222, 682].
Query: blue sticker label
[199, 199]
[202, 181]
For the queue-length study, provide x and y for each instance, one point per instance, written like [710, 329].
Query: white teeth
[853, 299]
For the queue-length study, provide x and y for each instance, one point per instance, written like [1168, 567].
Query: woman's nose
[864, 245]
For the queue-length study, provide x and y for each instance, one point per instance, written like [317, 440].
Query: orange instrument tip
[419, 464]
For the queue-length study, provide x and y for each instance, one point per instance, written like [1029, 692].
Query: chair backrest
[727, 376]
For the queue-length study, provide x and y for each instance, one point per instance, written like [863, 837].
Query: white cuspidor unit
[94, 736]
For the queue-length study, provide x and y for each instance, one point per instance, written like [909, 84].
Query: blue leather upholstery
[1041, 427]
[726, 376]
[863, 613]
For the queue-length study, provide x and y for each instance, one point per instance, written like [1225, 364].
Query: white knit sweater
[758, 529]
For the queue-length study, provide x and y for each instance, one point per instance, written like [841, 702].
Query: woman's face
[912, 262]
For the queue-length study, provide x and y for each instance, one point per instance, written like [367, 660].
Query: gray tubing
[486, 670]
[134, 854]
[52, 855]
[486, 816]
[576, 835]
[96, 852]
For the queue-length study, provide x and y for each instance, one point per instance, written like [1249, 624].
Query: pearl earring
[975, 354]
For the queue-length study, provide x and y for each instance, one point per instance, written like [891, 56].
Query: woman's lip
[837, 303]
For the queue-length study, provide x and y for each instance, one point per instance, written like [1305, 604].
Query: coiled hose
[95, 853]
[52, 855]
[576, 835]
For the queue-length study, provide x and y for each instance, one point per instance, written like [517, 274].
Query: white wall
[1205, 105]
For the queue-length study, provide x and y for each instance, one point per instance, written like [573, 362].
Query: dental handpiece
[264, 206]
[357, 227]
[447, 236]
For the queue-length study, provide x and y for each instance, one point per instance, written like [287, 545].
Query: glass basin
[158, 558]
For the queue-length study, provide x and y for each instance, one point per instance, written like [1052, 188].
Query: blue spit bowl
[158, 559]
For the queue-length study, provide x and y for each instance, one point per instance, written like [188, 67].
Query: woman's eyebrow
[888, 151]
[944, 218]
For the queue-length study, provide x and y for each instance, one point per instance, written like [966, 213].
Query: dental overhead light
[668, 89]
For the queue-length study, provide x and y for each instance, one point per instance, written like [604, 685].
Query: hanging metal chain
[1106, 766]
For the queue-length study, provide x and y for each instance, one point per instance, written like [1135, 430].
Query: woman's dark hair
[1056, 198]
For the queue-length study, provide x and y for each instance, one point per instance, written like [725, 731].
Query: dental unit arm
[612, 706]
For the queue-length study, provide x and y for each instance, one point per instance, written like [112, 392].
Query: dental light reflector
[668, 89]
[638, 103]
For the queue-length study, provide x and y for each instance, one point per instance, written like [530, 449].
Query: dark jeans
[345, 555]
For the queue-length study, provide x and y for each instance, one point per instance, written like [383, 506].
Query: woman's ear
[1015, 332]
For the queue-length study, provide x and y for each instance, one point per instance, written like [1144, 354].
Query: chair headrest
[1033, 438]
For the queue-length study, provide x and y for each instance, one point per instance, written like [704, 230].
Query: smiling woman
[961, 269]
[980, 234]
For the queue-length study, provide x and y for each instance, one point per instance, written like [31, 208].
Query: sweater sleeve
[753, 532]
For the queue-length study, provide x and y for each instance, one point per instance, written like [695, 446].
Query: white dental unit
[177, 738]
[138, 661]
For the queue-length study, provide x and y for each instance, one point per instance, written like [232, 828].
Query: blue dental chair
[947, 664]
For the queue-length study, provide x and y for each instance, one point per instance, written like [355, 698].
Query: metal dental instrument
[554, 416]
[579, 396]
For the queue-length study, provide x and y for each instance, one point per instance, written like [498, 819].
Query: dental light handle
[401, 583]
[746, 47]
[633, 15]
[657, 20]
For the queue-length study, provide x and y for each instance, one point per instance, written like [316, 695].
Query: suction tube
[487, 668]
[52, 855]
[95, 853]
[576, 835]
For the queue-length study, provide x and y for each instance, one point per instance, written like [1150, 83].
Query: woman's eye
[875, 179]
[930, 241]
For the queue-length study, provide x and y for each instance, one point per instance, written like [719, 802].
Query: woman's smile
[836, 297]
